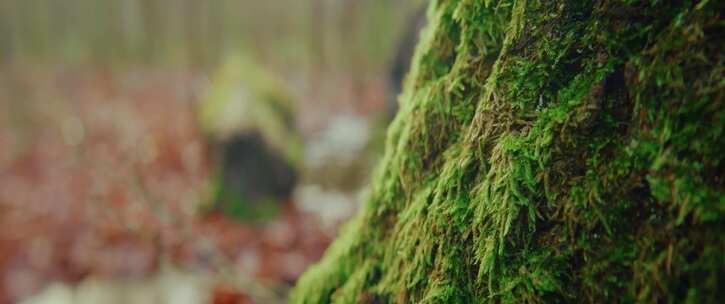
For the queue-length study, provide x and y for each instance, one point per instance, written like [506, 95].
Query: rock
[249, 119]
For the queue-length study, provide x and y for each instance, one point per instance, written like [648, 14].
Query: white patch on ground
[342, 141]
[331, 206]
[169, 286]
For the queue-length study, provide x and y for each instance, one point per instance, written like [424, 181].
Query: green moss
[546, 152]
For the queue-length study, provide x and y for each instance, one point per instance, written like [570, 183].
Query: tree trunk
[547, 151]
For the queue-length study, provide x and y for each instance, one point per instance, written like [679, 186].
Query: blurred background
[185, 151]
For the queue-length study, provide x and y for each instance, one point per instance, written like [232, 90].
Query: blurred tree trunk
[197, 24]
[317, 33]
[565, 151]
[152, 29]
[7, 31]
[401, 61]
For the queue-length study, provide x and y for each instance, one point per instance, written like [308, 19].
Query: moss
[238, 205]
[564, 151]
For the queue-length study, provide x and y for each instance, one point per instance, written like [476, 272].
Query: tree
[546, 151]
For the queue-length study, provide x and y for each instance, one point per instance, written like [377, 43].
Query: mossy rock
[546, 152]
[249, 119]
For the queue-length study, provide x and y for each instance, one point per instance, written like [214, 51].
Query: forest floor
[102, 175]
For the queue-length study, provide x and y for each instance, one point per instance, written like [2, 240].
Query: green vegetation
[547, 151]
[233, 203]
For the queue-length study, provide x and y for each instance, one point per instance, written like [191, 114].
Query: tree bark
[553, 151]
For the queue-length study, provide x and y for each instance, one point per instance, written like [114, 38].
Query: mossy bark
[547, 151]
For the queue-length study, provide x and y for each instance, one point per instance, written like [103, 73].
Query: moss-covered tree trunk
[547, 151]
